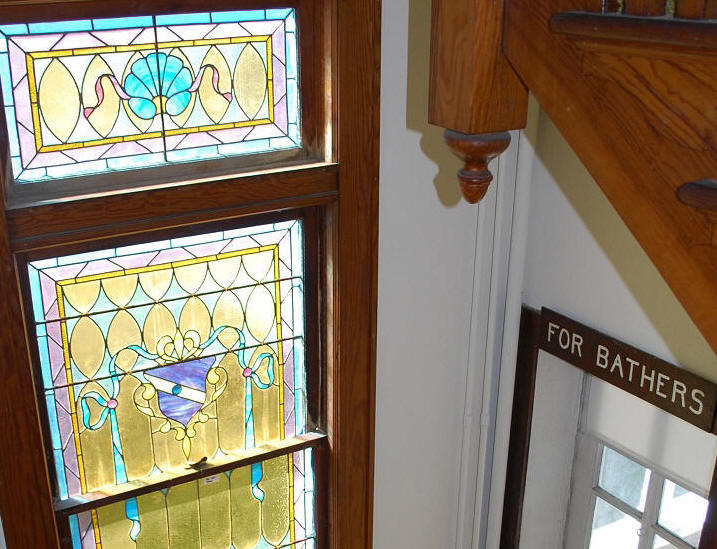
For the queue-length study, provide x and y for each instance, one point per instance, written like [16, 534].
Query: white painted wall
[426, 265]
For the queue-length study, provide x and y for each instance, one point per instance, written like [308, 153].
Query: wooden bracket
[703, 196]
[476, 151]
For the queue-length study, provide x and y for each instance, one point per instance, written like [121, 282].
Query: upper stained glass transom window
[92, 96]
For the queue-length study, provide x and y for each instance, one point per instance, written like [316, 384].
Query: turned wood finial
[476, 151]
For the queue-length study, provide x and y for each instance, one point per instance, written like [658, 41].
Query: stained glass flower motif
[87, 97]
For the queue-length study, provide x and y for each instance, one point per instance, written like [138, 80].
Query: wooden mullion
[321, 457]
[66, 222]
[314, 80]
[356, 261]
[160, 232]
[64, 533]
[86, 502]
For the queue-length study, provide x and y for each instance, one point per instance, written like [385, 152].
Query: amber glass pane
[261, 506]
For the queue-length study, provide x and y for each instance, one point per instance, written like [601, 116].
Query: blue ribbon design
[252, 378]
[108, 410]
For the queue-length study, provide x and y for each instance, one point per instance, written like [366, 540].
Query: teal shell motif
[155, 76]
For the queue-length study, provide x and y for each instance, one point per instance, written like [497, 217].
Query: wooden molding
[473, 88]
[476, 151]
[638, 31]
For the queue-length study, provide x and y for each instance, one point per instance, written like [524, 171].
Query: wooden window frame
[336, 190]
[587, 472]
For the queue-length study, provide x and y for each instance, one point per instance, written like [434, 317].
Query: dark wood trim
[122, 214]
[220, 222]
[321, 495]
[522, 418]
[708, 540]
[93, 500]
[690, 9]
[641, 31]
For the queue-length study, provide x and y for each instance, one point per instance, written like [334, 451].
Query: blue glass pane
[60, 26]
[236, 16]
[183, 19]
[122, 23]
[10, 30]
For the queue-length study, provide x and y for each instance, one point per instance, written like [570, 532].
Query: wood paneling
[625, 113]
[466, 64]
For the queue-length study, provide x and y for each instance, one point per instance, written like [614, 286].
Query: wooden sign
[673, 389]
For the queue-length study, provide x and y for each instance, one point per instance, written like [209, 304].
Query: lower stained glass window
[265, 505]
[157, 356]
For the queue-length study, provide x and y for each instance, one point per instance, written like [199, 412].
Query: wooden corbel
[474, 92]
[476, 151]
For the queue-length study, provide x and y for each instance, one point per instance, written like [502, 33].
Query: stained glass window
[92, 96]
[220, 511]
[157, 356]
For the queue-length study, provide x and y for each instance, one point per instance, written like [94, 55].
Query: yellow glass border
[149, 268]
[32, 82]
